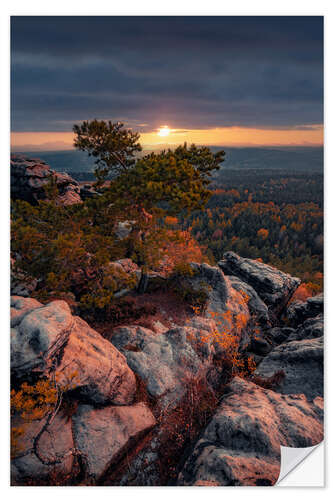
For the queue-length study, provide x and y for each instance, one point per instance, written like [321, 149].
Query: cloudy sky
[215, 80]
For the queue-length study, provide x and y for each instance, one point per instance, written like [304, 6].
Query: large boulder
[39, 335]
[41, 458]
[104, 435]
[29, 177]
[165, 362]
[241, 444]
[20, 307]
[298, 311]
[274, 287]
[48, 338]
[95, 368]
[302, 363]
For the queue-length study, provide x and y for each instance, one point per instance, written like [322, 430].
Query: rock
[258, 309]
[278, 335]
[123, 229]
[128, 265]
[46, 337]
[165, 362]
[20, 307]
[298, 311]
[312, 328]
[29, 177]
[39, 336]
[104, 435]
[302, 362]
[225, 305]
[241, 444]
[273, 286]
[94, 367]
[260, 346]
[55, 444]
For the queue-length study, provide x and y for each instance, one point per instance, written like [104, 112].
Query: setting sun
[163, 131]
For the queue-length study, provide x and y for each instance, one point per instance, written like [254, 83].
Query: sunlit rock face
[274, 287]
[38, 335]
[29, 177]
[241, 444]
[49, 339]
[103, 434]
[92, 366]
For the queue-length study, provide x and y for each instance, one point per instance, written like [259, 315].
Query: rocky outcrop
[29, 177]
[225, 305]
[103, 435]
[165, 362]
[273, 286]
[41, 454]
[39, 336]
[94, 367]
[20, 307]
[302, 363]
[241, 444]
[178, 366]
[258, 308]
[48, 338]
[312, 328]
[298, 311]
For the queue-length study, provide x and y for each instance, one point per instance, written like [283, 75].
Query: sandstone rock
[128, 265]
[258, 309]
[20, 307]
[94, 367]
[278, 335]
[312, 328]
[30, 176]
[123, 229]
[39, 336]
[55, 444]
[49, 336]
[302, 362]
[225, 305]
[165, 362]
[299, 311]
[104, 435]
[260, 346]
[241, 444]
[273, 286]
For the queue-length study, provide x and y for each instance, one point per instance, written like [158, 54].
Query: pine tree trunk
[143, 283]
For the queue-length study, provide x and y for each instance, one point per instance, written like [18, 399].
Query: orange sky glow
[228, 136]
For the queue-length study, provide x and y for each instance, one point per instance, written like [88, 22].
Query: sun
[163, 131]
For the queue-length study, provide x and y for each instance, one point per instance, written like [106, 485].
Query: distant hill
[290, 158]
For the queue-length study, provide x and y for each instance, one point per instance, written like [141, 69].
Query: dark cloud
[189, 72]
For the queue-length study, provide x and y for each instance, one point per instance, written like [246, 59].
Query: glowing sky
[211, 80]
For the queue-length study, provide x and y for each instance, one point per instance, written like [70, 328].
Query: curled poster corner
[292, 457]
